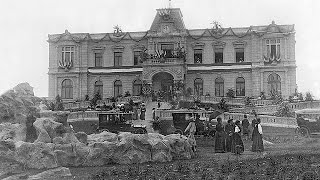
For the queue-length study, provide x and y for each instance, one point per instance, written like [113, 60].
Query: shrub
[276, 97]
[86, 97]
[230, 93]
[127, 94]
[248, 102]
[284, 111]
[58, 106]
[309, 96]
[223, 105]
[291, 99]
[300, 97]
[189, 92]
[94, 100]
[263, 96]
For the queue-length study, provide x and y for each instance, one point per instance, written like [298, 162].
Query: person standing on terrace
[229, 129]
[245, 127]
[219, 145]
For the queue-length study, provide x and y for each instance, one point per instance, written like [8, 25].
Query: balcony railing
[163, 61]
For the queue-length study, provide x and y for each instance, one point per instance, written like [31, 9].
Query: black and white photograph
[159, 90]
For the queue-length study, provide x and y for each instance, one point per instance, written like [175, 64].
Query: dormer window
[239, 47]
[218, 47]
[198, 56]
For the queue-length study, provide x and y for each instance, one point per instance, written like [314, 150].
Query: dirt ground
[289, 154]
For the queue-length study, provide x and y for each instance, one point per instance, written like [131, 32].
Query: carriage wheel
[303, 131]
[139, 131]
[178, 131]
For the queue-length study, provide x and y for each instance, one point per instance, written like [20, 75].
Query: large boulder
[71, 154]
[7, 149]
[133, 148]
[17, 103]
[52, 174]
[101, 153]
[15, 132]
[46, 129]
[102, 137]
[36, 155]
[160, 148]
[180, 146]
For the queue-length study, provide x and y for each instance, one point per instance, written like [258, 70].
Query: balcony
[176, 57]
[164, 61]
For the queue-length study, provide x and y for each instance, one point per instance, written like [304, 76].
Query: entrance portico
[162, 81]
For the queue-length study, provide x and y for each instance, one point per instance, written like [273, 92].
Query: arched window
[66, 89]
[137, 87]
[98, 88]
[274, 83]
[240, 86]
[198, 87]
[117, 88]
[219, 87]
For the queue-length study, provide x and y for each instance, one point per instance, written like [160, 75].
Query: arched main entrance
[162, 84]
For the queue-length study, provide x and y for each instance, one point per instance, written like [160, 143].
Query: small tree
[276, 97]
[58, 106]
[223, 105]
[94, 100]
[309, 96]
[291, 99]
[284, 110]
[230, 93]
[300, 97]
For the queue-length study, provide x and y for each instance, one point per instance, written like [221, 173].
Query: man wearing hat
[192, 130]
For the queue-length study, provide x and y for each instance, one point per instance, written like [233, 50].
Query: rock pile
[16, 103]
[57, 145]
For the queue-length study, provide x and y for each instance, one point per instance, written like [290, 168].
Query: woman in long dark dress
[237, 143]
[219, 145]
[229, 129]
[257, 144]
[143, 112]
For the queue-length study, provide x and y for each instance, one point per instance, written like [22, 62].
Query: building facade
[249, 60]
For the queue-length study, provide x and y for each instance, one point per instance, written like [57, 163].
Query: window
[136, 57]
[273, 48]
[117, 88]
[98, 59]
[66, 89]
[98, 88]
[198, 87]
[117, 58]
[218, 56]
[68, 53]
[239, 55]
[137, 88]
[219, 87]
[274, 83]
[167, 50]
[240, 86]
[198, 56]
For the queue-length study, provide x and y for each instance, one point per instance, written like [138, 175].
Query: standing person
[245, 126]
[257, 144]
[143, 112]
[237, 144]
[219, 145]
[229, 129]
[135, 112]
[153, 113]
[159, 104]
[192, 130]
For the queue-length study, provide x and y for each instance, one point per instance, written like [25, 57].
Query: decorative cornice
[218, 44]
[239, 44]
[197, 45]
[117, 48]
[138, 47]
[98, 48]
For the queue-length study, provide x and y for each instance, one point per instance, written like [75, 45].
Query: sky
[25, 25]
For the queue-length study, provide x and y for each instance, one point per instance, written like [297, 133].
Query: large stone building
[208, 61]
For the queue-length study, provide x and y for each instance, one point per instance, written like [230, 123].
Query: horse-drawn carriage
[308, 121]
[176, 121]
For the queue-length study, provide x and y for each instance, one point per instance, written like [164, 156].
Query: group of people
[228, 138]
